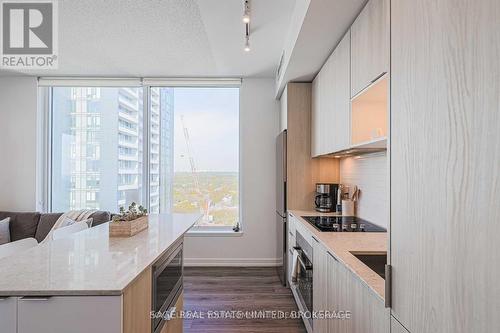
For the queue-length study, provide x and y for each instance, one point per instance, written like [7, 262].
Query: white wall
[369, 173]
[259, 126]
[18, 119]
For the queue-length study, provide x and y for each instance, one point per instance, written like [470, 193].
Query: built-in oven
[304, 280]
[167, 285]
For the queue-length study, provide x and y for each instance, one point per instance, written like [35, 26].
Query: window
[195, 153]
[95, 148]
[183, 157]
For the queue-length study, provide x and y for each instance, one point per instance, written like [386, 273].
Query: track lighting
[246, 11]
[247, 45]
[247, 26]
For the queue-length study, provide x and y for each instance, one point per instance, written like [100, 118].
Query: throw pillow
[68, 222]
[5, 231]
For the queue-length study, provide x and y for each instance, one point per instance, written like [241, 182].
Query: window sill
[215, 233]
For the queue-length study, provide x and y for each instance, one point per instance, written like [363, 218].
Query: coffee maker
[326, 197]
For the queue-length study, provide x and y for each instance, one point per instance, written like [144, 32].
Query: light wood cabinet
[316, 130]
[370, 44]
[331, 103]
[8, 314]
[445, 140]
[396, 326]
[137, 304]
[337, 289]
[320, 285]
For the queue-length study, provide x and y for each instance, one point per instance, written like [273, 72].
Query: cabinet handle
[315, 239]
[388, 283]
[35, 298]
[3, 298]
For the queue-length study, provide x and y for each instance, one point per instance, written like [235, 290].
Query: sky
[211, 117]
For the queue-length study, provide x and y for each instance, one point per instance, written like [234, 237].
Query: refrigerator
[281, 223]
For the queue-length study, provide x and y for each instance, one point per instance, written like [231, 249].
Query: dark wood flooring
[237, 289]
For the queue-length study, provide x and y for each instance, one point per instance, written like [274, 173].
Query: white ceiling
[197, 38]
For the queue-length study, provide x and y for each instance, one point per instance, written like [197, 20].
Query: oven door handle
[303, 264]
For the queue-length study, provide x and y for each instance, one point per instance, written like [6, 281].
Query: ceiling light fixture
[246, 11]
[247, 45]
[247, 28]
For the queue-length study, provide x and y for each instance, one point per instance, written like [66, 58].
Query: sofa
[38, 225]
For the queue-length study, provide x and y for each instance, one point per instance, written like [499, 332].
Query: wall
[259, 126]
[18, 119]
[369, 173]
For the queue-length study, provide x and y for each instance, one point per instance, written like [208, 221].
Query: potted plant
[129, 223]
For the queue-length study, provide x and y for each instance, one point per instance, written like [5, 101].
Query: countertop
[341, 244]
[90, 262]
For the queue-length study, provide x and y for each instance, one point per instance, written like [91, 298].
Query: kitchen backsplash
[369, 173]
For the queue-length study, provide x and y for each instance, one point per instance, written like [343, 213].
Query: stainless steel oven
[304, 282]
[167, 284]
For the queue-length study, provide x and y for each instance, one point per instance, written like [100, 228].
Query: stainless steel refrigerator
[281, 225]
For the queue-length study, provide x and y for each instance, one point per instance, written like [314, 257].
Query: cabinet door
[347, 293]
[335, 287]
[8, 314]
[369, 44]
[320, 288]
[284, 110]
[75, 314]
[396, 326]
[445, 138]
[340, 101]
[315, 118]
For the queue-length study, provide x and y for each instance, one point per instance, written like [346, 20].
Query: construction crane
[194, 172]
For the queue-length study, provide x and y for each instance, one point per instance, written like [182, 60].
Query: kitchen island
[89, 282]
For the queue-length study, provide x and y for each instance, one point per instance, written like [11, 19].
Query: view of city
[218, 200]
[98, 150]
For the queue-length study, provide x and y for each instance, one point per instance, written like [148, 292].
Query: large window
[97, 150]
[202, 153]
[183, 157]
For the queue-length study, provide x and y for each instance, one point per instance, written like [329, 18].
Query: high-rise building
[98, 161]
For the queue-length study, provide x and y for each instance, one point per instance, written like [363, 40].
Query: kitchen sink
[375, 261]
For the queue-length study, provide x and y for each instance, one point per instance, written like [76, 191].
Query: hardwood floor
[237, 289]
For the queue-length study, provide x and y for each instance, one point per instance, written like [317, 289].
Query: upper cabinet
[369, 111]
[330, 103]
[370, 45]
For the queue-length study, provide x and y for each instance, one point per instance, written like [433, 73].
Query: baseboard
[232, 262]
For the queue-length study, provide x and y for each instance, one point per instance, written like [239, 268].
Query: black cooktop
[342, 224]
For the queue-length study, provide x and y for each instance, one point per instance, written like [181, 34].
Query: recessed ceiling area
[188, 38]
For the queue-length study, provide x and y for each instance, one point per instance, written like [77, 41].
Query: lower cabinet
[355, 307]
[320, 286]
[75, 314]
[8, 314]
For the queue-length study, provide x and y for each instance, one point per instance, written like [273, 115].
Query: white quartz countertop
[90, 262]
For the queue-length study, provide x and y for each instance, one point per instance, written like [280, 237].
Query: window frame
[45, 134]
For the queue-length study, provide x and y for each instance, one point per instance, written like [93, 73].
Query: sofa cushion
[100, 217]
[48, 220]
[22, 225]
[4, 231]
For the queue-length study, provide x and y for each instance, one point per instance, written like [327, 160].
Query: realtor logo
[29, 34]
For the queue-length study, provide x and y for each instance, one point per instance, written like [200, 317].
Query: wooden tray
[128, 228]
